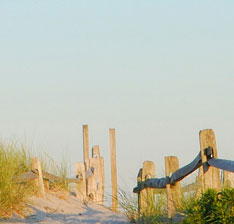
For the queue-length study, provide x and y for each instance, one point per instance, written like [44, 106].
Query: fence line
[90, 175]
[209, 176]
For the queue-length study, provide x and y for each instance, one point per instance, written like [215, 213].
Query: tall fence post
[210, 176]
[81, 186]
[36, 167]
[113, 169]
[146, 198]
[173, 191]
[86, 152]
[86, 146]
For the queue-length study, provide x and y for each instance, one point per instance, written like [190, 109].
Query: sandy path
[55, 208]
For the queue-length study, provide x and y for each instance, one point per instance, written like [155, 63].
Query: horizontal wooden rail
[33, 174]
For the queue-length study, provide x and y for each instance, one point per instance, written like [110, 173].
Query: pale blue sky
[157, 71]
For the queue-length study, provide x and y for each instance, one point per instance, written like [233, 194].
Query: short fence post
[173, 191]
[139, 180]
[96, 151]
[228, 179]
[113, 169]
[36, 166]
[81, 186]
[210, 175]
[96, 181]
[146, 198]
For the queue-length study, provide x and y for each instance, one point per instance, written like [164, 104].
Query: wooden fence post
[86, 152]
[228, 179]
[113, 169]
[36, 167]
[96, 182]
[139, 180]
[81, 186]
[146, 198]
[86, 146]
[173, 191]
[210, 176]
[96, 151]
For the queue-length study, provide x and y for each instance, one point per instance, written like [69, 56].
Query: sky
[156, 71]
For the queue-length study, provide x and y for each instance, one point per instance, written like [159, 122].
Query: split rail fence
[90, 175]
[209, 176]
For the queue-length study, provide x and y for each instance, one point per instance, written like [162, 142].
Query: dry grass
[14, 160]
[155, 205]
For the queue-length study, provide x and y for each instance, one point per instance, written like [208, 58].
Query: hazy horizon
[156, 71]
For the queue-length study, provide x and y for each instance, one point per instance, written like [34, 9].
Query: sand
[66, 208]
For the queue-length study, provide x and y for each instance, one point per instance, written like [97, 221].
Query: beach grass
[14, 160]
[155, 212]
[211, 207]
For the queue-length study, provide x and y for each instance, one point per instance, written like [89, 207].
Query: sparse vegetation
[14, 160]
[129, 204]
[212, 207]
[156, 208]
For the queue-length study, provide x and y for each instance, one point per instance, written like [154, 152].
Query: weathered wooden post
[139, 180]
[173, 191]
[36, 167]
[146, 198]
[96, 151]
[113, 169]
[96, 181]
[86, 146]
[228, 179]
[81, 186]
[86, 152]
[210, 176]
[101, 178]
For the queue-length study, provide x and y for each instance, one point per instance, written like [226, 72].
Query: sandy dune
[57, 208]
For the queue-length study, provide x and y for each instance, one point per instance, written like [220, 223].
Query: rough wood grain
[81, 186]
[101, 176]
[51, 177]
[96, 181]
[36, 166]
[146, 197]
[96, 151]
[173, 191]
[113, 169]
[86, 146]
[102, 182]
[210, 175]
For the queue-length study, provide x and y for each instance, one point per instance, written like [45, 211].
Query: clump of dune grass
[14, 160]
[128, 204]
[155, 207]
